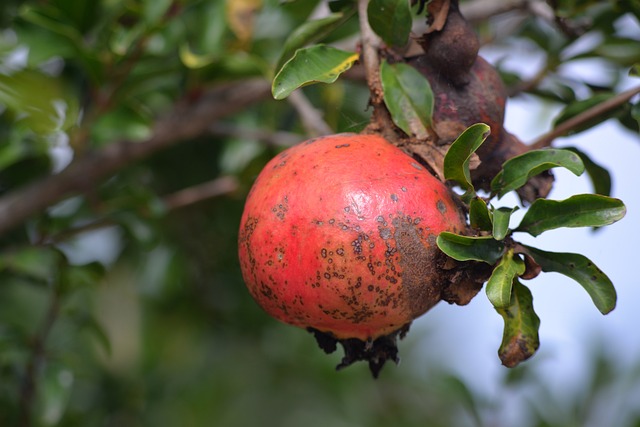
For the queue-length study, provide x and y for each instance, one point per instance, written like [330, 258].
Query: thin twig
[370, 58]
[198, 193]
[312, 119]
[268, 137]
[593, 112]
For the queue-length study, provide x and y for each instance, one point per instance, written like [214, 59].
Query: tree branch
[184, 122]
[312, 119]
[590, 114]
[370, 58]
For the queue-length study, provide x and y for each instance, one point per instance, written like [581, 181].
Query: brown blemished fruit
[338, 236]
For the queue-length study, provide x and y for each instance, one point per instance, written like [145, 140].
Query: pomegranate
[338, 236]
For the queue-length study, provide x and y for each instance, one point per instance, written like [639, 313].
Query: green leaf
[634, 71]
[501, 281]
[582, 210]
[391, 20]
[501, 217]
[516, 171]
[520, 338]
[582, 270]
[316, 64]
[456, 161]
[465, 248]
[311, 32]
[408, 96]
[479, 215]
[38, 100]
[600, 176]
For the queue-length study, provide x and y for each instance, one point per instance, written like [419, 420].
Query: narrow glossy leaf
[310, 32]
[501, 217]
[316, 64]
[479, 215]
[521, 323]
[464, 248]
[391, 20]
[582, 270]
[408, 96]
[582, 210]
[456, 161]
[501, 281]
[600, 176]
[516, 171]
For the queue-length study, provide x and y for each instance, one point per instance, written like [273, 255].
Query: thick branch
[587, 115]
[184, 122]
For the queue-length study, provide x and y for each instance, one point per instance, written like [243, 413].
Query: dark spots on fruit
[370, 288]
[404, 189]
[323, 253]
[394, 198]
[417, 260]
[347, 209]
[381, 220]
[343, 145]
[332, 221]
[442, 208]
[327, 276]
[340, 251]
[330, 260]
[385, 233]
[417, 166]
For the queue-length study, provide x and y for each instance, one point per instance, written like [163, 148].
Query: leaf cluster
[494, 243]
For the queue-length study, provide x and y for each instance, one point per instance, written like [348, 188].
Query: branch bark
[590, 114]
[184, 122]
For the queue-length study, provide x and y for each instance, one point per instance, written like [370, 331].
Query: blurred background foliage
[124, 305]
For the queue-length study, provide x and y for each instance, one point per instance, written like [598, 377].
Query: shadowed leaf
[501, 217]
[391, 20]
[600, 177]
[479, 215]
[408, 96]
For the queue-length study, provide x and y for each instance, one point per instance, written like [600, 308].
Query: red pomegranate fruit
[338, 236]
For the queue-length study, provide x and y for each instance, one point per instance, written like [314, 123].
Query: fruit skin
[338, 235]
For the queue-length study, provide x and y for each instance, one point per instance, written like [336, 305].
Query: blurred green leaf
[38, 262]
[516, 171]
[501, 217]
[54, 393]
[520, 338]
[479, 215]
[499, 285]
[408, 96]
[38, 100]
[391, 20]
[311, 32]
[465, 248]
[582, 210]
[456, 161]
[634, 71]
[600, 176]
[582, 270]
[317, 64]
